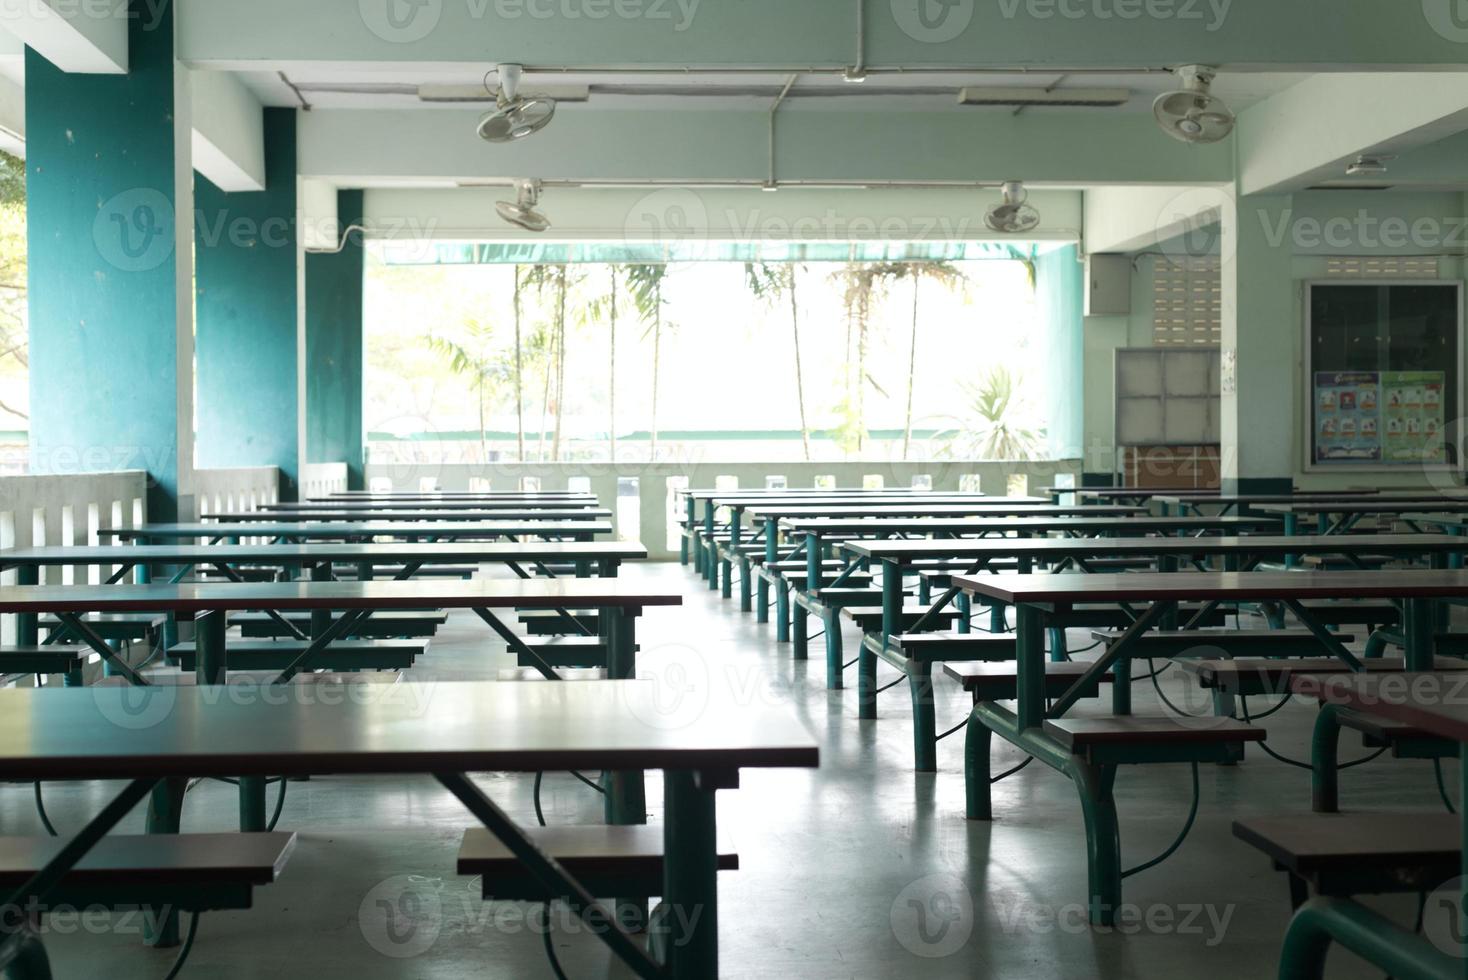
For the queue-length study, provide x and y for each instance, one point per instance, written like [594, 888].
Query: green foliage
[993, 428]
[14, 338]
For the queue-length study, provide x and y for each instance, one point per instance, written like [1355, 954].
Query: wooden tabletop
[388, 514]
[297, 554]
[993, 507]
[1109, 492]
[1225, 586]
[531, 495]
[539, 593]
[797, 492]
[1435, 702]
[1319, 544]
[368, 529]
[110, 732]
[1278, 498]
[1032, 525]
[1381, 504]
[472, 503]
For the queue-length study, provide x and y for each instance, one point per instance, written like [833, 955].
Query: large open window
[787, 352]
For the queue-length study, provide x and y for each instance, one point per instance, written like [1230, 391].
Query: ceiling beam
[1312, 131]
[229, 132]
[85, 36]
[690, 216]
[363, 147]
[822, 34]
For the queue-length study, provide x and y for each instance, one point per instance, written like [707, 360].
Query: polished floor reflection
[861, 869]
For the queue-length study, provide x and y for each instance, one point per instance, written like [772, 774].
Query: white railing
[321, 479]
[245, 488]
[642, 494]
[66, 511]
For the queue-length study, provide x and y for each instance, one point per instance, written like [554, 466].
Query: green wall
[245, 247]
[103, 281]
[334, 353]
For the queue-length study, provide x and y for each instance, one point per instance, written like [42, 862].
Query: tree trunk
[483, 442]
[657, 344]
[861, 372]
[911, 363]
[560, 368]
[550, 363]
[612, 379]
[799, 374]
[519, 376]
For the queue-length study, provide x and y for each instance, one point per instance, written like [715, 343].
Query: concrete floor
[861, 869]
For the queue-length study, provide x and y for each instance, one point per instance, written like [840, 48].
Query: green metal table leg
[1324, 755]
[924, 722]
[977, 750]
[320, 618]
[626, 793]
[1029, 631]
[746, 587]
[252, 804]
[27, 632]
[964, 604]
[782, 612]
[211, 656]
[1103, 839]
[165, 813]
[690, 877]
[800, 645]
[1418, 624]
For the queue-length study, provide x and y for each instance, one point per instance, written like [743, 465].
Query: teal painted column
[1260, 323]
[247, 347]
[111, 347]
[1059, 289]
[334, 353]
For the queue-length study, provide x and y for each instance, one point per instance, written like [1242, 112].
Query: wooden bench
[187, 872]
[117, 627]
[349, 572]
[344, 655]
[1339, 855]
[1000, 681]
[540, 622]
[1355, 612]
[621, 861]
[513, 675]
[1259, 643]
[386, 625]
[65, 659]
[564, 651]
[1258, 675]
[1140, 739]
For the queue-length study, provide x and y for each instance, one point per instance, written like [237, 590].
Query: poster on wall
[1347, 417]
[1412, 416]
[1379, 417]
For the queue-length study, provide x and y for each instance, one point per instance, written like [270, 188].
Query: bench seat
[389, 624]
[278, 654]
[621, 861]
[58, 658]
[1355, 612]
[1127, 739]
[114, 626]
[1196, 643]
[1340, 855]
[541, 622]
[869, 618]
[957, 647]
[513, 675]
[189, 872]
[1000, 682]
[565, 651]
[1260, 675]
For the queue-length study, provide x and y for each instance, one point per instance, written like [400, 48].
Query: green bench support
[396, 624]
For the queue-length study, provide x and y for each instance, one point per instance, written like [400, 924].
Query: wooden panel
[1172, 467]
[139, 859]
[379, 514]
[328, 530]
[1055, 548]
[377, 553]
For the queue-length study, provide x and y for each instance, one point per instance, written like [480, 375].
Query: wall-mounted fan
[521, 211]
[515, 117]
[1192, 114]
[1012, 215]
